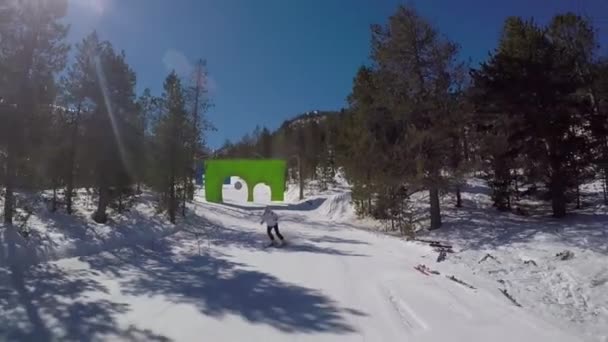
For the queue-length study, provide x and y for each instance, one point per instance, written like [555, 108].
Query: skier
[272, 222]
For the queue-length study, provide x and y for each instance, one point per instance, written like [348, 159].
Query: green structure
[254, 171]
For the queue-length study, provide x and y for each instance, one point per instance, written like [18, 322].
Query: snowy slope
[53, 236]
[571, 293]
[213, 281]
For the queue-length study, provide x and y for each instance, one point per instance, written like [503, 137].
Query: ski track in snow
[408, 316]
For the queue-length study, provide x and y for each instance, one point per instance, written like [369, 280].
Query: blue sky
[269, 60]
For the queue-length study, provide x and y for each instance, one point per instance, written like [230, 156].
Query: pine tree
[100, 86]
[77, 87]
[197, 96]
[33, 50]
[417, 69]
[147, 110]
[529, 78]
[172, 158]
[599, 123]
[265, 144]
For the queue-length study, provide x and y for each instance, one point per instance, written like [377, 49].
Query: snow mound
[338, 207]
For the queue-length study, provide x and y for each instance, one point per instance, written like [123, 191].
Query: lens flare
[98, 7]
[106, 98]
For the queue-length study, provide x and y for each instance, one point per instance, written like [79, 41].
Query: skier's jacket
[270, 217]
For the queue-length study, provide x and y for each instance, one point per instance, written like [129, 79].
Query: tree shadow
[236, 211]
[308, 205]
[475, 189]
[333, 239]
[217, 287]
[46, 303]
[484, 228]
[225, 236]
[83, 236]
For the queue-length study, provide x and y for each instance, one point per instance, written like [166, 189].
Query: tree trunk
[301, 178]
[558, 197]
[71, 163]
[184, 197]
[578, 196]
[100, 215]
[435, 209]
[54, 201]
[465, 145]
[10, 179]
[69, 195]
[605, 186]
[458, 197]
[516, 185]
[190, 187]
[558, 204]
[172, 202]
[120, 206]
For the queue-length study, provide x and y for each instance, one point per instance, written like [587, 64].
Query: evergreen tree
[265, 144]
[197, 97]
[599, 123]
[172, 140]
[416, 70]
[102, 85]
[32, 51]
[529, 79]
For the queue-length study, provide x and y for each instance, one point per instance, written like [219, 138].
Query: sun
[97, 7]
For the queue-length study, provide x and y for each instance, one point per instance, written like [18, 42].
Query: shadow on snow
[484, 228]
[45, 303]
[225, 236]
[218, 287]
[308, 205]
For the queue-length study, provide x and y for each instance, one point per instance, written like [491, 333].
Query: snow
[57, 235]
[571, 293]
[210, 279]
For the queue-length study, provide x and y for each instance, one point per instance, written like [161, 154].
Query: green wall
[254, 171]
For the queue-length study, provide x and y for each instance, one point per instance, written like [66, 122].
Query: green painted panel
[254, 171]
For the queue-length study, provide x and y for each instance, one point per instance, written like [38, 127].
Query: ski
[488, 256]
[428, 241]
[426, 270]
[440, 245]
[421, 269]
[452, 278]
[276, 245]
[508, 295]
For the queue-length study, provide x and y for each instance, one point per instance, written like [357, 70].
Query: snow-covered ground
[571, 293]
[52, 236]
[211, 280]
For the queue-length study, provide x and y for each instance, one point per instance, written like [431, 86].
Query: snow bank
[338, 207]
[52, 236]
[521, 254]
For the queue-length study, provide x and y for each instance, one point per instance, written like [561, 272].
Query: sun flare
[98, 7]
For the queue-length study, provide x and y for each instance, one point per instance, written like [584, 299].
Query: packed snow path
[217, 283]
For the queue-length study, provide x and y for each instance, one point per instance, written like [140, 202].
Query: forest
[65, 126]
[532, 120]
